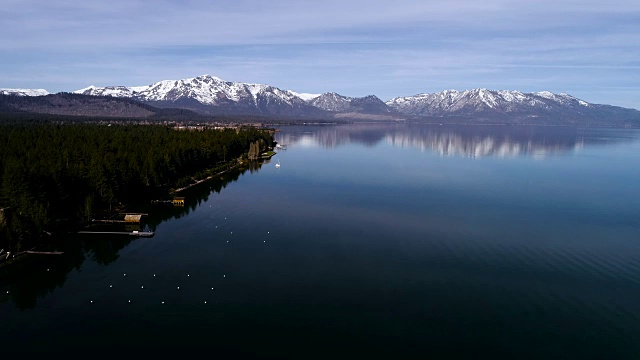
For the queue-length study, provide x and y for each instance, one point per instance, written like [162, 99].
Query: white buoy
[110, 286]
[47, 269]
[178, 287]
[267, 232]
[141, 287]
[154, 275]
[129, 301]
[188, 275]
[224, 275]
[124, 275]
[205, 301]
[163, 302]
[92, 301]
[211, 288]
[264, 240]
[227, 240]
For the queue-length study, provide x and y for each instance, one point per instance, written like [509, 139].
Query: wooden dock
[128, 218]
[132, 233]
[37, 253]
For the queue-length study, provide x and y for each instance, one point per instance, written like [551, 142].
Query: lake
[370, 240]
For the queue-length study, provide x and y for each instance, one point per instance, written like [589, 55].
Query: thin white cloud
[143, 23]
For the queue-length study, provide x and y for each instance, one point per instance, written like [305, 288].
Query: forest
[57, 175]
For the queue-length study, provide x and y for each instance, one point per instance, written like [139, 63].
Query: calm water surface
[369, 241]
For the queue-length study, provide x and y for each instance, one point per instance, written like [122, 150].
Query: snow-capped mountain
[209, 94]
[469, 102]
[115, 91]
[305, 96]
[333, 102]
[24, 92]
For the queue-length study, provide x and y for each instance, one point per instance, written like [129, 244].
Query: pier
[128, 218]
[132, 233]
[44, 252]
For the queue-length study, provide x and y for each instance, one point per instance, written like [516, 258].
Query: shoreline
[41, 249]
[239, 162]
[197, 182]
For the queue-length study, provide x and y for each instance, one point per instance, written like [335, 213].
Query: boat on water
[278, 163]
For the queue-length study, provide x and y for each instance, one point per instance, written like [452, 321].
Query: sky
[588, 49]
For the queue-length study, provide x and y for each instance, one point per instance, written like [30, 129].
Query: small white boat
[278, 164]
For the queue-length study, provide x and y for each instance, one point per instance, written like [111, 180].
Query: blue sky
[589, 49]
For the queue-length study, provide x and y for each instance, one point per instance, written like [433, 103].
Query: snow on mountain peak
[88, 88]
[545, 94]
[304, 96]
[210, 90]
[507, 101]
[24, 92]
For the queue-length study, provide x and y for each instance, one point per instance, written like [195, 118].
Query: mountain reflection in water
[462, 141]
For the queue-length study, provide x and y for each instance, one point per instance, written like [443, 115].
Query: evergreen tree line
[67, 172]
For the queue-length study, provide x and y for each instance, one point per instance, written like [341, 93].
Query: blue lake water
[370, 240]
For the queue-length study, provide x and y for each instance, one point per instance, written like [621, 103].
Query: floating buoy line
[162, 302]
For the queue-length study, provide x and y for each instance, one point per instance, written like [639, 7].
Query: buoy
[129, 301]
[178, 287]
[47, 269]
[92, 301]
[264, 240]
[224, 275]
[125, 275]
[188, 275]
[110, 286]
[163, 302]
[154, 275]
[211, 288]
[141, 287]
[205, 301]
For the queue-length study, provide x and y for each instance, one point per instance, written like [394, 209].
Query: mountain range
[211, 96]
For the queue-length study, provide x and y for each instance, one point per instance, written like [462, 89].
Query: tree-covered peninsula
[54, 174]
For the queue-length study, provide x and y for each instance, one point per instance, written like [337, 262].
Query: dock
[132, 233]
[128, 218]
[44, 252]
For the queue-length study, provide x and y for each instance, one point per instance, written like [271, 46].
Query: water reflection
[463, 141]
[32, 277]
